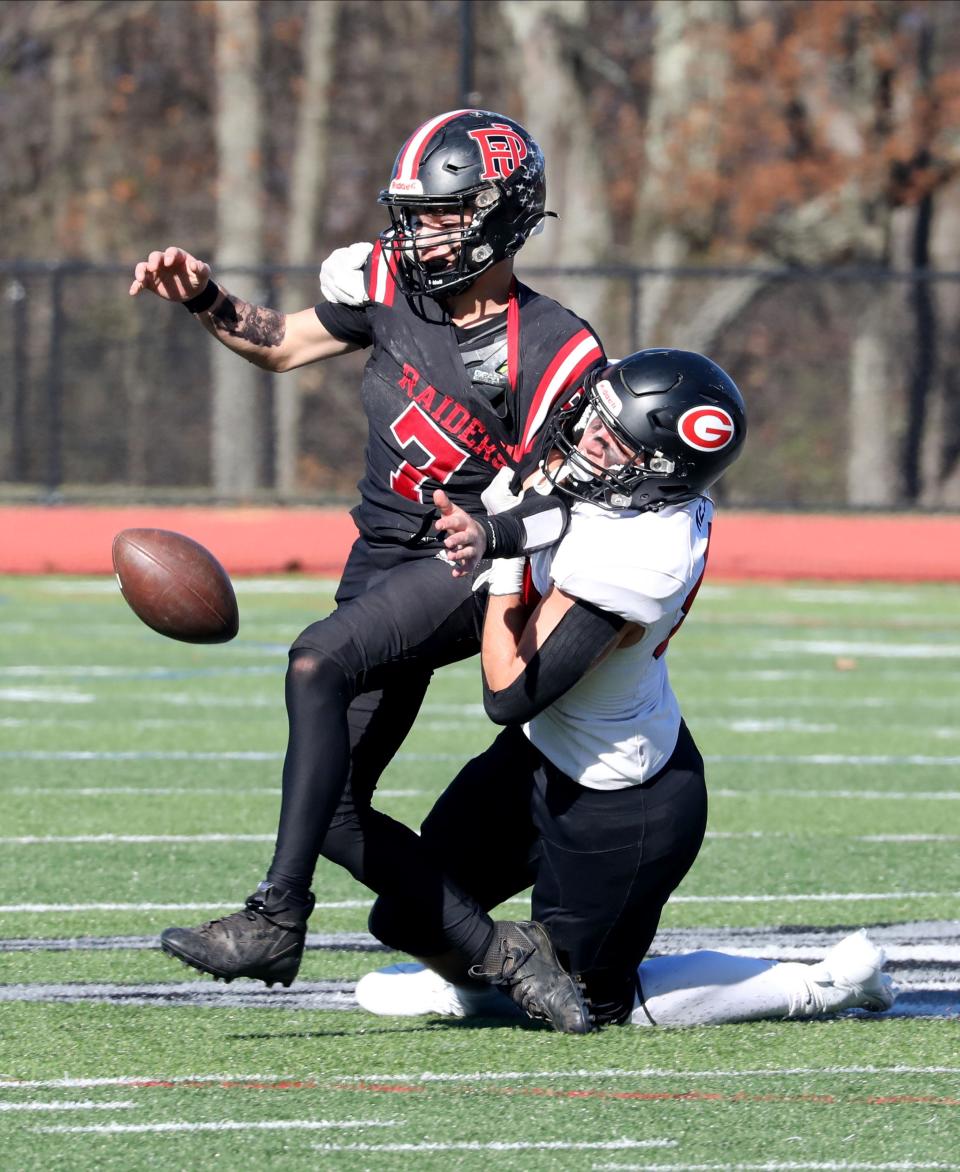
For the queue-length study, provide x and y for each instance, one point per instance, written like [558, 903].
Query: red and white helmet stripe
[408, 163]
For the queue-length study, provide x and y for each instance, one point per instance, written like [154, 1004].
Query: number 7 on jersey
[443, 457]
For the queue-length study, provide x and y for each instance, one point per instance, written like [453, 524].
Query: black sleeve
[349, 323]
[570, 649]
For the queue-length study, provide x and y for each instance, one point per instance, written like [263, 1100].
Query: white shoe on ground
[848, 977]
[410, 990]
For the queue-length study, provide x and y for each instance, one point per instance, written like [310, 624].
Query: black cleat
[522, 962]
[264, 941]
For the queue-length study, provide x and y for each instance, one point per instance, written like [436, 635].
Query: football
[175, 585]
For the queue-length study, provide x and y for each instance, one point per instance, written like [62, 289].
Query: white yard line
[802, 897]
[613, 1145]
[774, 1166]
[98, 791]
[222, 1125]
[57, 908]
[148, 1081]
[100, 839]
[818, 759]
[69, 1105]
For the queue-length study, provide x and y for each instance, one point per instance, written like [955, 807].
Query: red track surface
[762, 546]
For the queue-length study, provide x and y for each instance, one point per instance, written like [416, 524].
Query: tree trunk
[236, 384]
[872, 465]
[306, 184]
[940, 452]
[547, 33]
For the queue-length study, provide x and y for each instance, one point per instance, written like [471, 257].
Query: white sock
[710, 988]
[715, 988]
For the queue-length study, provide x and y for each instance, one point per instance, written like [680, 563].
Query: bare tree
[548, 35]
[306, 185]
[236, 386]
[797, 134]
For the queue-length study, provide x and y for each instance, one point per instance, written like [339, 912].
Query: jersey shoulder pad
[640, 566]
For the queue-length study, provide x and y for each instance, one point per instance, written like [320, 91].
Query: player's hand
[341, 275]
[465, 542]
[173, 274]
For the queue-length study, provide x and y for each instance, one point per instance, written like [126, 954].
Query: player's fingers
[443, 503]
[154, 261]
[135, 288]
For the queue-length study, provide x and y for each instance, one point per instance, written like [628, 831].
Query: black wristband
[536, 522]
[204, 299]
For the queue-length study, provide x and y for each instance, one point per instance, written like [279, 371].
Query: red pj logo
[503, 150]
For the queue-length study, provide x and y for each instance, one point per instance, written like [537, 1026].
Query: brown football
[175, 585]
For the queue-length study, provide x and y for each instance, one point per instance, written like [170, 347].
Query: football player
[594, 793]
[466, 364]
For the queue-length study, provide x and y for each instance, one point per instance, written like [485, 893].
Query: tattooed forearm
[253, 323]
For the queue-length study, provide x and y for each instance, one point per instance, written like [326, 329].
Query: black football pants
[354, 685]
[602, 862]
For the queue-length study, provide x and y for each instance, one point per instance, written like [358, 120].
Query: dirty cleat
[264, 941]
[409, 989]
[521, 961]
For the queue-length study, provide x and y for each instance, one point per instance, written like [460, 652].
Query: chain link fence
[847, 376]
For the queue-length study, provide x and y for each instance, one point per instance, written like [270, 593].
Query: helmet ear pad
[681, 413]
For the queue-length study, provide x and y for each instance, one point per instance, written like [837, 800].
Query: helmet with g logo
[679, 412]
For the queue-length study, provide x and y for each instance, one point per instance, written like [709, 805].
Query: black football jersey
[429, 424]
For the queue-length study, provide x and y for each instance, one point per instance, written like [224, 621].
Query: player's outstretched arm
[266, 337]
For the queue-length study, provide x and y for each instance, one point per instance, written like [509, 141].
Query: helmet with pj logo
[485, 174]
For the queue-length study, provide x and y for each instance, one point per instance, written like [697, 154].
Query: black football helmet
[480, 164]
[679, 412]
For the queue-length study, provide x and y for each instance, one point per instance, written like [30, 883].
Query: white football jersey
[618, 725]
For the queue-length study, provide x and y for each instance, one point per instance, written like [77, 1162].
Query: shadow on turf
[474, 1023]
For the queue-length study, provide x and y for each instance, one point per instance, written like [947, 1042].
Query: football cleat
[848, 977]
[522, 962]
[264, 941]
[411, 990]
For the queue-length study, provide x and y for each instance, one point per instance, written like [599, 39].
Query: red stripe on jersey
[416, 144]
[688, 601]
[382, 284]
[513, 335]
[567, 367]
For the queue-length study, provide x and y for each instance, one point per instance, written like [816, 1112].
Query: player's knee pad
[312, 674]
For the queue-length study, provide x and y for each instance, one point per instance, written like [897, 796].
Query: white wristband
[506, 575]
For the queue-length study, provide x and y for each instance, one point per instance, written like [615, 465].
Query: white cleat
[411, 990]
[848, 977]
